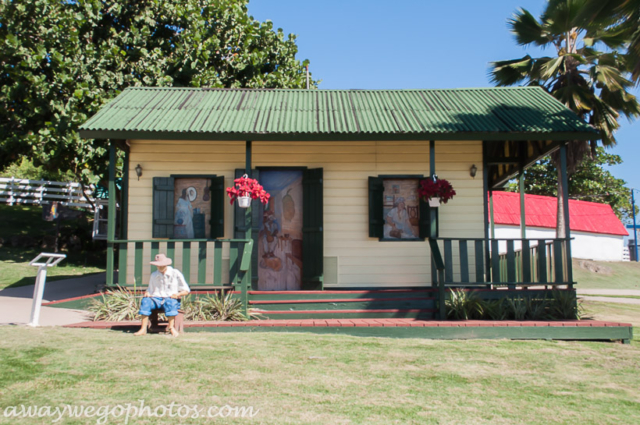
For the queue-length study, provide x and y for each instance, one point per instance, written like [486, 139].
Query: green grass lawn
[14, 262]
[625, 275]
[324, 379]
[16, 270]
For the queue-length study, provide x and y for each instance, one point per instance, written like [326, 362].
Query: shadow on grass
[31, 280]
[74, 259]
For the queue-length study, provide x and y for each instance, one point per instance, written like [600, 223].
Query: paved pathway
[618, 292]
[15, 303]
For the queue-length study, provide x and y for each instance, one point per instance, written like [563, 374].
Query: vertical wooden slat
[171, 251]
[217, 263]
[511, 264]
[542, 261]
[202, 262]
[137, 274]
[495, 261]
[464, 261]
[186, 261]
[448, 261]
[113, 214]
[526, 261]
[550, 265]
[234, 263]
[122, 263]
[479, 248]
[557, 259]
[155, 249]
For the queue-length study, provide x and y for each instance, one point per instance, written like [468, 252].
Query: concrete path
[15, 303]
[617, 292]
[611, 299]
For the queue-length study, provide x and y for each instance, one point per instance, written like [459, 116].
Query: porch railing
[504, 262]
[195, 255]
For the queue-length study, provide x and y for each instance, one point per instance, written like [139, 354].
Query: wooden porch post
[523, 221]
[488, 221]
[246, 279]
[124, 199]
[433, 231]
[111, 220]
[565, 207]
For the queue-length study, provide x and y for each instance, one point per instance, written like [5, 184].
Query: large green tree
[61, 60]
[590, 182]
[586, 73]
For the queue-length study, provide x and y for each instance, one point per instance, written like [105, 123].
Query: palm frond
[526, 29]
[510, 72]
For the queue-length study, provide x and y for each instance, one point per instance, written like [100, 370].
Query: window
[396, 212]
[188, 207]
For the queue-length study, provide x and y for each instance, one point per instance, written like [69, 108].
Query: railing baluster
[202, 263]
[171, 251]
[137, 274]
[122, 263]
[448, 261]
[542, 261]
[217, 263]
[464, 261]
[155, 249]
[557, 259]
[479, 245]
[495, 261]
[234, 263]
[526, 261]
[511, 264]
[186, 261]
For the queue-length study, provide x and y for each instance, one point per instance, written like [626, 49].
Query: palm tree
[627, 15]
[589, 81]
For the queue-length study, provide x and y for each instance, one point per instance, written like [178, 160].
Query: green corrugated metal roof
[523, 113]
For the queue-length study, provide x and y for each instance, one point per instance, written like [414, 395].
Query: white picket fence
[41, 192]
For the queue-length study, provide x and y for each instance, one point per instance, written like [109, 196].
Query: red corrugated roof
[541, 212]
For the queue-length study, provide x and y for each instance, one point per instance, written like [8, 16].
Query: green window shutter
[218, 198]
[163, 207]
[425, 219]
[376, 219]
[312, 229]
[240, 225]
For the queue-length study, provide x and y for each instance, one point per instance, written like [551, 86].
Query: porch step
[423, 313]
[343, 304]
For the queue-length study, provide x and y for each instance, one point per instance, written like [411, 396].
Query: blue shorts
[170, 306]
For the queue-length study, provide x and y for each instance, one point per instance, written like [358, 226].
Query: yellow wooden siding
[362, 261]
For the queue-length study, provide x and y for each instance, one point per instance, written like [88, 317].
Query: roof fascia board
[315, 137]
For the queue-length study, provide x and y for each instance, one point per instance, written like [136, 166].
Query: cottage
[598, 234]
[343, 167]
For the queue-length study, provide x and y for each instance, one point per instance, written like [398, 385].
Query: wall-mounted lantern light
[138, 171]
[473, 170]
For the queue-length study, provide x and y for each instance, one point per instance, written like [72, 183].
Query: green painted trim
[450, 332]
[565, 204]
[426, 314]
[337, 137]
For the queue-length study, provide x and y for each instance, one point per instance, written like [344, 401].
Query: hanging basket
[244, 201]
[434, 202]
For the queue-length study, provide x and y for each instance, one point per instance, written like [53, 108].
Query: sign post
[43, 261]
[635, 229]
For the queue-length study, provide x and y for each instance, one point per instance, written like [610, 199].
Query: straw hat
[161, 260]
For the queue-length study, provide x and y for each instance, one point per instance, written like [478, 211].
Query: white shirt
[167, 284]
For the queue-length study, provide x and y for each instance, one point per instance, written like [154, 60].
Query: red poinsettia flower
[245, 186]
[441, 189]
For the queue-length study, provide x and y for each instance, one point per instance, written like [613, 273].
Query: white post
[38, 292]
[11, 198]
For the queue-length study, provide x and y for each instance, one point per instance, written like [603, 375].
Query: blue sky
[404, 44]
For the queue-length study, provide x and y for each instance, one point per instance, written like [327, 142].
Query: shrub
[464, 305]
[115, 306]
[564, 305]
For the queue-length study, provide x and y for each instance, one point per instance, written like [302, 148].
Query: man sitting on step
[166, 286]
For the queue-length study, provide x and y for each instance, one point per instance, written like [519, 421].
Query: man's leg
[171, 307]
[146, 305]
